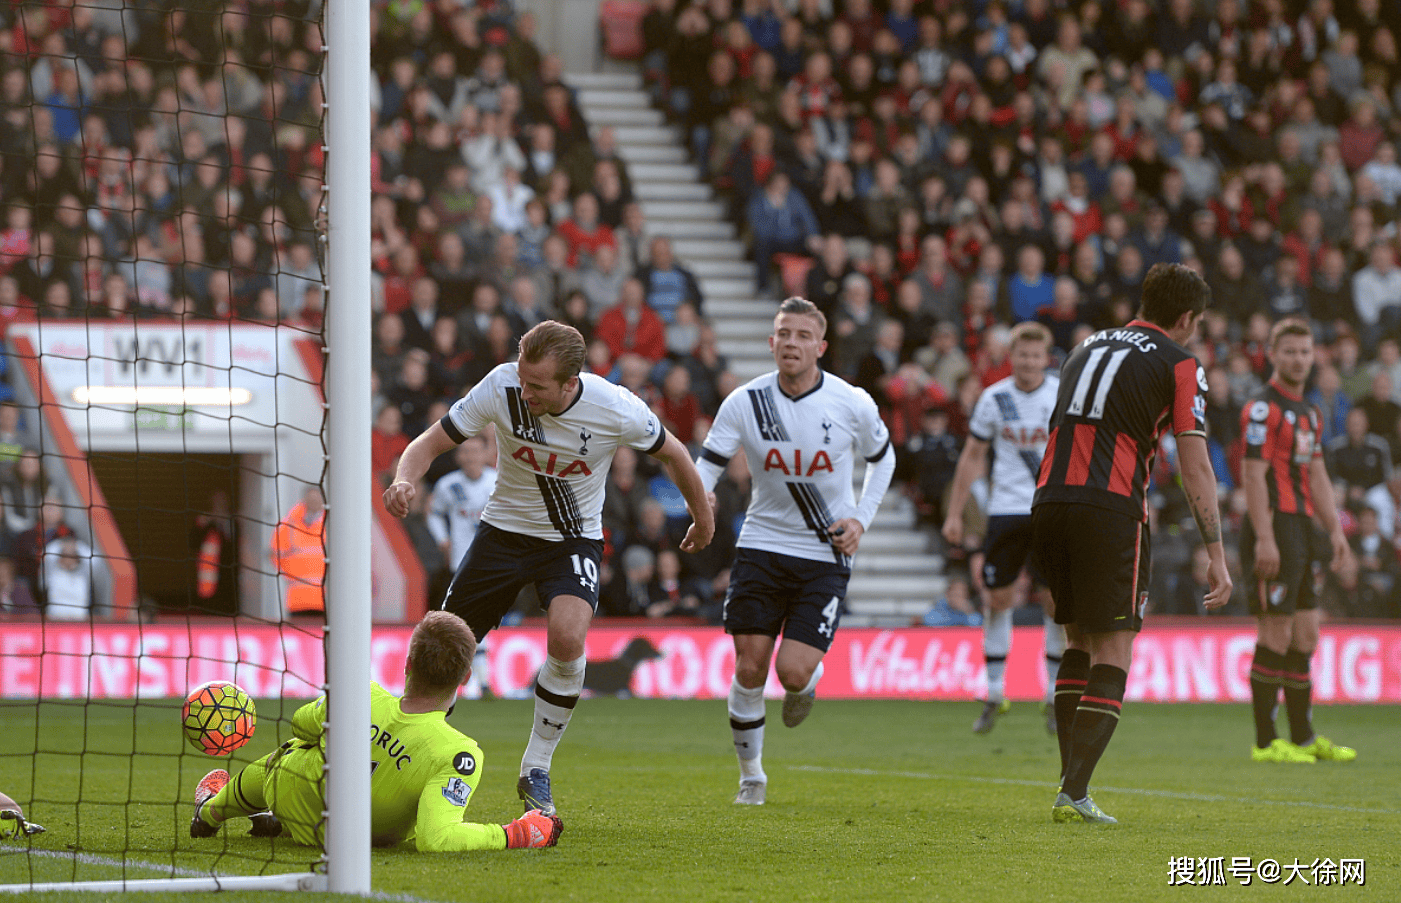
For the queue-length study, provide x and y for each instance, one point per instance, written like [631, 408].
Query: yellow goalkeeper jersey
[423, 772]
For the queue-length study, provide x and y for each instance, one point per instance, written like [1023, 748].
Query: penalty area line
[1136, 791]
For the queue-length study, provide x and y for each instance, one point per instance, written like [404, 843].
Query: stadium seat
[793, 269]
[620, 22]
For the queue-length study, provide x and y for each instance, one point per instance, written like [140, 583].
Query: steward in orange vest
[299, 553]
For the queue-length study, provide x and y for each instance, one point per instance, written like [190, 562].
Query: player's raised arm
[413, 464]
[682, 471]
[1199, 485]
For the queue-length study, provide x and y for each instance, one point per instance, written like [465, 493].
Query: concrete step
[592, 98]
[663, 172]
[629, 135]
[719, 305]
[671, 191]
[885, 612]
[893, 586]
[740, 290]
[662, 209]
[725, 269]
[904, 543]
[618, 116]
[604, 81]
[691, 228]
[739, 331]
[652, 153]
[894, 563]
[895, 518]
[688, 249]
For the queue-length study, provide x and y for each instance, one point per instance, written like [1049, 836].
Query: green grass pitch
[866, 801]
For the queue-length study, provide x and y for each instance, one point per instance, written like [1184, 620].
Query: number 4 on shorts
[829, 615]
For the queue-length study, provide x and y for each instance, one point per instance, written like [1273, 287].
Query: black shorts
[1095, 563]
[771, 592]
[1007, 550]
[499, 564]
[1300, 548]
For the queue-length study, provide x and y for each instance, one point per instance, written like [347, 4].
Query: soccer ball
[218, 717]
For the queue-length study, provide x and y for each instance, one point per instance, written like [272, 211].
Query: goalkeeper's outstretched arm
[441, 808]
[309, 723]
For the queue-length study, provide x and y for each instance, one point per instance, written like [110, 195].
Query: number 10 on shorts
[586, 569]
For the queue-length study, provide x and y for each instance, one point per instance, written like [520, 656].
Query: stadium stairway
[895, 579]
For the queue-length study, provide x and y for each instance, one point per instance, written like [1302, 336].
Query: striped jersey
[1015, 424]
[551, 469]
[1120, 390]
[800, 451]
[1282, 429]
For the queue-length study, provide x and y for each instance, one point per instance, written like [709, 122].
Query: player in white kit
[556, 432]
[455, 508]
[1012, 418]
[800, 430]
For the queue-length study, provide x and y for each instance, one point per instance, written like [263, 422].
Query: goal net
[163, 432]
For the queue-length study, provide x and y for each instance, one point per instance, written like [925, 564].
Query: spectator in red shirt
[1082, 210]
[630, 326]
[679, 408]
[387, 441]
[584, 233]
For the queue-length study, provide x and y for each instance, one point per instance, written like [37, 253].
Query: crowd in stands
[931, 173]
[928, 173]
[166, 161]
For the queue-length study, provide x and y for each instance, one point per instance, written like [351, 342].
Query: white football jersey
[1016, 424]
[800, 452]
[455, 510]
[551, 469]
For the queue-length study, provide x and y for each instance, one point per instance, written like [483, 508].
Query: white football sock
[557, 690]
[747, 725]
[812, 681]
[997, 642]
[1055, 649]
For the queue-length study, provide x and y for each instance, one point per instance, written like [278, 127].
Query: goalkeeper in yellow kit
[423, 771]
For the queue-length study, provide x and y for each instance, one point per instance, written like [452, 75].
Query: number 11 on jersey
[1087, 375]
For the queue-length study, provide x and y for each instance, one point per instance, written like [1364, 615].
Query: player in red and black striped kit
[1120, 391]
[1286, 487]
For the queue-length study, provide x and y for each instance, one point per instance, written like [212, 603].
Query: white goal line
[214, 881]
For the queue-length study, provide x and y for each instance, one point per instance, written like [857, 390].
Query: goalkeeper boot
[1281, 750]
[1067, 810]
[534, 789]
[265, 824]
[1323, 749]
[989, 716]
[796, 707]
[205, 791]
[751, 793]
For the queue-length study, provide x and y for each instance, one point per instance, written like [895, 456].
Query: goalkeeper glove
[533, 829]
[13, 825]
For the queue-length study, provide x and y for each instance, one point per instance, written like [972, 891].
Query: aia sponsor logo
[553, 466]
[794, 465]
